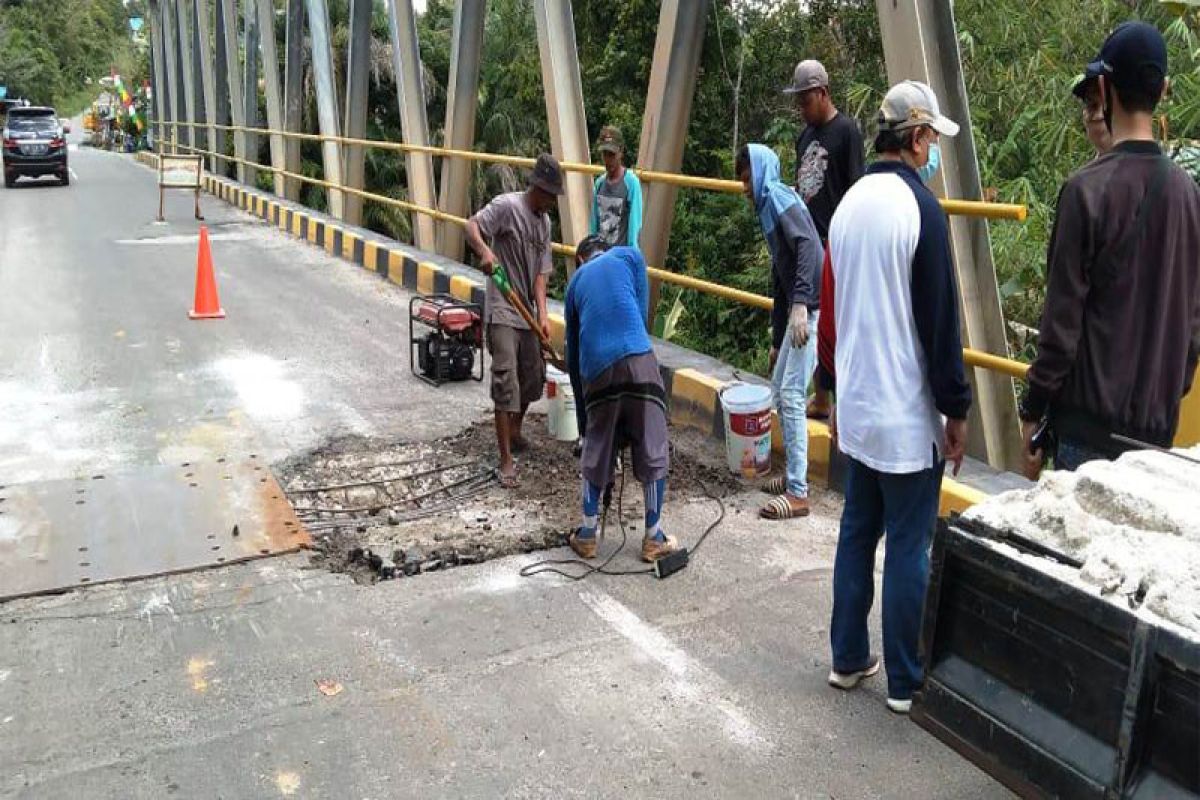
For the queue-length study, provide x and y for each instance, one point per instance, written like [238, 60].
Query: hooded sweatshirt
[796, 251]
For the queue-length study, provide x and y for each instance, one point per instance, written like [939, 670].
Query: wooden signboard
[179, 172]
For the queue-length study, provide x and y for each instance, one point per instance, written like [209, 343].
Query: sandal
[784, 507]
[776, 485]
[508, 480]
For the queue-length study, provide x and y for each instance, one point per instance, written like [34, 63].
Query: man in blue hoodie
[796, 258]
[619, 395]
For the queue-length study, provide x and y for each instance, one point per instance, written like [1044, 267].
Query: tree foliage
[49, 49]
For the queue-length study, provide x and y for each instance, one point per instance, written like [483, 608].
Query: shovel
[500, 277]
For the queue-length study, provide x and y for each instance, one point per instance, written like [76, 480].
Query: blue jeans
[905, 506]
[1072, 454]
[793, 370]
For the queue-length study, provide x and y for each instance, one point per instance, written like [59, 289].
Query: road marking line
[189, 238]
[74, 176]
[692, 680]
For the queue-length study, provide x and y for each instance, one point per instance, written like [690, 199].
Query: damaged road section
[384, 510]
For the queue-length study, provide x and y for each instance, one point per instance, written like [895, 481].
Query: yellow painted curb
[330, 234]
[296, 224]
[426, 271]
[312, 230]
[370, 255]
[348, 240]
[461, 287]
[558, 332]
[396, 267]
[958, 497]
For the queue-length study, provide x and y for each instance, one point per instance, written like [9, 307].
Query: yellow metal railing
[974, 358]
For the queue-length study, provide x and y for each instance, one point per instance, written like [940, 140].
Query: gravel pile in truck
[1134, 524]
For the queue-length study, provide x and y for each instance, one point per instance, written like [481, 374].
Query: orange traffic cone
[206, 305]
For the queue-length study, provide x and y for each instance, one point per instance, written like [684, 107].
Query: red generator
[445, 339]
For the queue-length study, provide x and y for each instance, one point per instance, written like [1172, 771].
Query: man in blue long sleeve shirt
[796, 258]
[619, 395]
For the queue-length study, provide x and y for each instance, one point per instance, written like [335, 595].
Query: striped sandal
[784, 506]
[776, 485]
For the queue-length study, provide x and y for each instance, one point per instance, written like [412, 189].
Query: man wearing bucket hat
[903, 396]
[518, 226]
[618, 388]
[1120, 334]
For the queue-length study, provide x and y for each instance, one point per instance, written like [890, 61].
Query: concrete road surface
[469, 683]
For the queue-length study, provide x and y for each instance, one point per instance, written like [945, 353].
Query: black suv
[34, 145]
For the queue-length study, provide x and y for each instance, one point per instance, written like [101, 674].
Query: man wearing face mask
[1120, 332]
[903, 396]
[1088, 91]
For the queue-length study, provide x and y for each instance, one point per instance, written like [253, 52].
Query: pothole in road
[382, 510]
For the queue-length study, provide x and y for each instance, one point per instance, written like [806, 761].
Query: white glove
[798, 325]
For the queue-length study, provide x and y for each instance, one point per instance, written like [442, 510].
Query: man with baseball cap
[517, 224]
[829, 159]
[617, 195]
[1120, 331]
[1087, 89]
[903, 395]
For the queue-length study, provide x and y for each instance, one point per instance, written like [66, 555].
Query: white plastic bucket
[560, 414]
[747, 408]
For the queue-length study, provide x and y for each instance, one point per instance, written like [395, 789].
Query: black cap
[1134, 56]
[547, 174]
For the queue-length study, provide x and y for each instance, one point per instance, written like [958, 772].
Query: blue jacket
[633, 188]
[606, 306]
[792, 239]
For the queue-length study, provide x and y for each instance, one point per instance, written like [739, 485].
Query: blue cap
[1134, 56]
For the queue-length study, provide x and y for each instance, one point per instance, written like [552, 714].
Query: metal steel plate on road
[55, 535]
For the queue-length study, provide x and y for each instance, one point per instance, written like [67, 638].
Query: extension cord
[671, 563]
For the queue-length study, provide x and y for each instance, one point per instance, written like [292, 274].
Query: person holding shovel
[517, 225]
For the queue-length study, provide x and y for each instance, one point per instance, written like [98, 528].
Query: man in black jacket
[1120, 331]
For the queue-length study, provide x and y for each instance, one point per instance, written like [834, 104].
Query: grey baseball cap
[809, 74]
[910, 104]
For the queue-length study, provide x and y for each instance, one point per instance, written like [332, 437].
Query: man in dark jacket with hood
[796, 256]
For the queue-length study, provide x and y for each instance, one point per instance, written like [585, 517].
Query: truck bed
[1051, 690]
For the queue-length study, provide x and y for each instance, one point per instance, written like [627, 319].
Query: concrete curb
[693, 382]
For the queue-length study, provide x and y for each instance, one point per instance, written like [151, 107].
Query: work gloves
[798, 325]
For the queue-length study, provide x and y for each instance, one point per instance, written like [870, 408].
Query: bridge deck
[471, 682]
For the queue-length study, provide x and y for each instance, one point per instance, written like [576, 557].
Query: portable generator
[445, 339]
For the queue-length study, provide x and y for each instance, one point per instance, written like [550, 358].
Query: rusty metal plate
[56, 535]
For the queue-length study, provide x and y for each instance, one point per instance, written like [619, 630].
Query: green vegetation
[51, 49]
[1020, 59]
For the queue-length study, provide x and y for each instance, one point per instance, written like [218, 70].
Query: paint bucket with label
[560, 411]
[747, 408]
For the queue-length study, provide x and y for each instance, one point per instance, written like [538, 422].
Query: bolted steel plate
[56, 535]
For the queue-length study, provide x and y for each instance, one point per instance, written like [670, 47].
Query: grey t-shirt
[612, 207]
[521, 241]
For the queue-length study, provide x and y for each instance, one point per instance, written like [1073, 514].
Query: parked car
[34, 145]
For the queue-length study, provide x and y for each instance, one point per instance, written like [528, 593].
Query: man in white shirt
[902, 392]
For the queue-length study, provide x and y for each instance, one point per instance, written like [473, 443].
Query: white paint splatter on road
[264, 391]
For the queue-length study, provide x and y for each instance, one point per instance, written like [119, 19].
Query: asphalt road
[468, 683]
